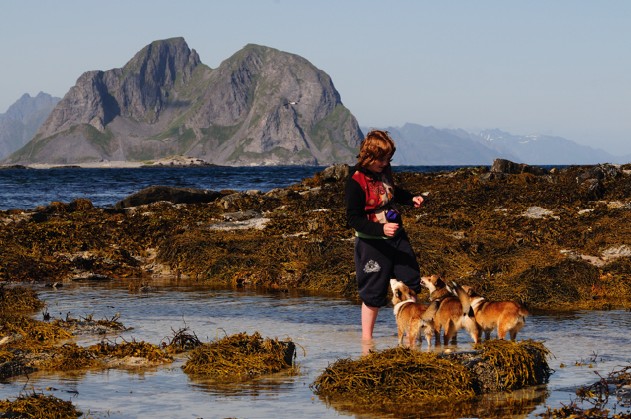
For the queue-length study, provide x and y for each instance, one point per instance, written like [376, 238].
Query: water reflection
[324, 329]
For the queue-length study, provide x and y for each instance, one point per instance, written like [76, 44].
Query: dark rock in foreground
[174, 195]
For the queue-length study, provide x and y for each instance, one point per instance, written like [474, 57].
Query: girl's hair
[376, 146]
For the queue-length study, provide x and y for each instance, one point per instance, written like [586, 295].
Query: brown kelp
[241, 357]
[38, 406]
[404, 381]
[544, 238]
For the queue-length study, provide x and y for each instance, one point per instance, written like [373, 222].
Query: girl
[382, 247]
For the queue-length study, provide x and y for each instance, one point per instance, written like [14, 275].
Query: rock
[335, 173]
[509, 167]
[592, 189]
[170, 194]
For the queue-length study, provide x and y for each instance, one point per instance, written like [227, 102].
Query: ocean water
[29, 188]
[584, 345]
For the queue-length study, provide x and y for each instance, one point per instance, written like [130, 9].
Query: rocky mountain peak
[260, 106]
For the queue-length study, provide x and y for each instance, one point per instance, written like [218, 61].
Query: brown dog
[505, 316]
[448, 316]
[411, 316]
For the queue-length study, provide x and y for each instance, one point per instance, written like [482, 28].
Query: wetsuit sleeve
[355, 210]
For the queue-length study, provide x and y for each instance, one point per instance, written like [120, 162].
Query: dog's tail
[465, 300]
[430, 312]
[523, 312]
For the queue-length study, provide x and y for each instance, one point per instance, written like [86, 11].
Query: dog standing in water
[412, 317]
[505, 316]
[448, 310]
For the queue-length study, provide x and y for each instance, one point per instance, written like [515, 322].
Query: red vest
[379, 192]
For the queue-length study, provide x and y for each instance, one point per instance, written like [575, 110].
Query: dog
[411, 316]
[504, 316]
[448, 311]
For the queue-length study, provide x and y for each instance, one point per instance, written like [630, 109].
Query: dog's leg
[513, 331]
[437, 336]
[428, 337]
[472, 327]
[501, 331]
[400, 334]
[450, 333]
[411, 340]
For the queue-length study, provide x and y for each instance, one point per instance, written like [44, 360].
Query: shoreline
[115, 164]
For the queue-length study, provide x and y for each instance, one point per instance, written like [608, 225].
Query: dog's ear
[413, 295]
[440, 283]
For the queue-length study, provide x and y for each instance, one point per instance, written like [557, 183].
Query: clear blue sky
[554, 67]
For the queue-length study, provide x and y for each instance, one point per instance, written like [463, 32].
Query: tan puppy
[448, 316]
[505, 316]
[411, 316]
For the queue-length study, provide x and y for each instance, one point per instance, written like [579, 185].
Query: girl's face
[377, 166]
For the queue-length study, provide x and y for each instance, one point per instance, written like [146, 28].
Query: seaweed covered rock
[546, 239]
[241, 357]
[405, 381]
[38, 406]
[500, 365]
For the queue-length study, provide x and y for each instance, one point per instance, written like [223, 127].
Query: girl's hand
[418, 201]
[390, 229]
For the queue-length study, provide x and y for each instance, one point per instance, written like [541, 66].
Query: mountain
[260, 106]
[420, 145]
[22, 120]
[544, 149]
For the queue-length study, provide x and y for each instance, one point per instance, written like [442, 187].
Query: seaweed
[598, 397]
[507, 365]
[18, 299]
[149, 351]
[540, 239]
[405, 381]
[241, 357]
[181, 341]
[38, 405]
[394, 380]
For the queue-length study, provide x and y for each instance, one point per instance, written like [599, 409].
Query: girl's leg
[369, 317]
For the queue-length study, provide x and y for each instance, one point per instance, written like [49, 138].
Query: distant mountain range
[420, 145]
[259, 107]
[22, 120]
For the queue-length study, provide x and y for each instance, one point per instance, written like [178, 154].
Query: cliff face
[260, 106]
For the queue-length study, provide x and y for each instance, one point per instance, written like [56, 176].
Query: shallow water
[325, 329]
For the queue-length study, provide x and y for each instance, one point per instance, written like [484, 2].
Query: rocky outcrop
[509, 167]
[260, 106]
[171, 194]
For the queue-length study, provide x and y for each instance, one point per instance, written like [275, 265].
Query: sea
[29, 188]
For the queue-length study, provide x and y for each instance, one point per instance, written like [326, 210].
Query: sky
[547, 67]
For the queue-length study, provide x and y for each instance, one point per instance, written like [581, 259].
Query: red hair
[378, 145]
